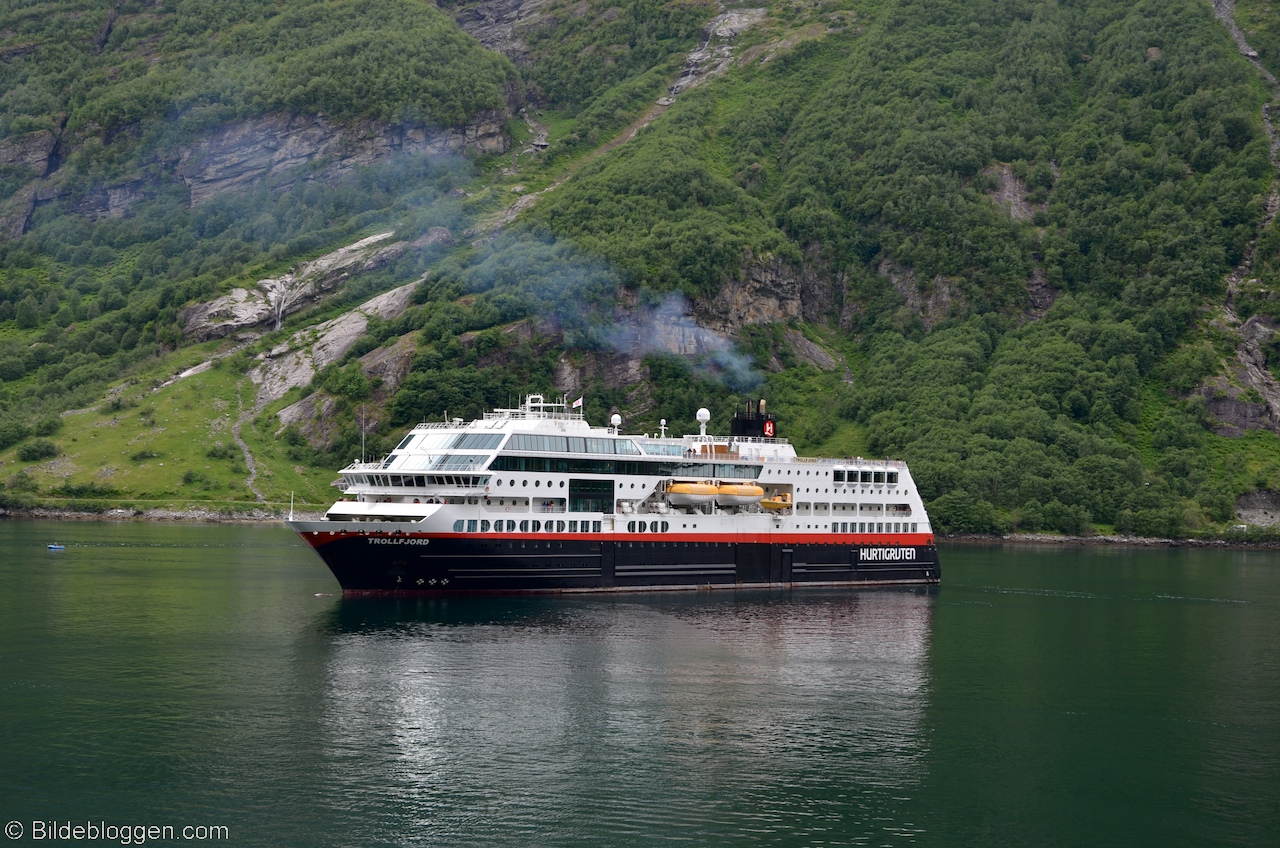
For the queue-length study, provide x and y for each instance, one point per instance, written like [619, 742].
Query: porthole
[524, 482]
[499, 482]
[537, 483]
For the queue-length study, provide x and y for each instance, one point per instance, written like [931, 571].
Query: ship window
[404, 444]
[913, 527]
[893, 478]
[595, 527]
[476, 441]
[511, 526]
[559, 526]
[457, 462]
[642, 526]
[484, 526]
[524, 482]
[524, 526]
[573, 527]
[457, 526]
[537, 483]
[631, 527]
[665, 525]
[879, 527]
[866, 476]
[862, 526]
[590, 495]
[471, 526]
[838, 476]
[879, 477]
[499, 482]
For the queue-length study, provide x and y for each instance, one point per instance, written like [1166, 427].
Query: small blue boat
[54, 546]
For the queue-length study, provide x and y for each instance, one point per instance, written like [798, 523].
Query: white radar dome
[616, 420]
[703, 416]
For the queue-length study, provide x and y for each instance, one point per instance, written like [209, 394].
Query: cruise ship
[535, 499]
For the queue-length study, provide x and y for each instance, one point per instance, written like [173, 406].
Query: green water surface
[202, 675]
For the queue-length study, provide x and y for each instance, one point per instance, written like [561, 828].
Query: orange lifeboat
[777, 502]
[739, 494]
[691, 494]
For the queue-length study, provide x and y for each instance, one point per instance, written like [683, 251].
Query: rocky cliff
[238, 156]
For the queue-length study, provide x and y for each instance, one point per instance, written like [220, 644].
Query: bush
[222, 451]
[11, 432]
[47, 426]
[37, 450]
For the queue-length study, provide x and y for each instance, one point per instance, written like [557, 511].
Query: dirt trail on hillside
[712, 57]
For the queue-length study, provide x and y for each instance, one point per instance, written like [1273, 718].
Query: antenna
[362, 433]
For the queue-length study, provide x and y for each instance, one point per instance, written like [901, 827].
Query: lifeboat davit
[739, 494]
[691, 494]
[779, 501]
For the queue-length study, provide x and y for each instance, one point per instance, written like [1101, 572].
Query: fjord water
[210, 675]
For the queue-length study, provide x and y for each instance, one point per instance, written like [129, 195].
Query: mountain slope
[1012, 243]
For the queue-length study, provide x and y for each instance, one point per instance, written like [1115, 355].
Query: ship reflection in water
[710, 718]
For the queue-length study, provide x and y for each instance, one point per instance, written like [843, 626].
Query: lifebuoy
[768, 429]
[486, 488]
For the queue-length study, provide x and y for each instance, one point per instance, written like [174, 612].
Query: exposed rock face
[272, 299]
[30, 152]
[767, 292]
[296, 361]
[1261, 508]
[716, 52]
[1011, 193]
[932, 301]
[498, 24]
[317, 416]
[1040, 295]
[1233, 412]
[242, 155]
[807, 351]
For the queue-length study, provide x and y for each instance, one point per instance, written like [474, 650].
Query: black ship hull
[382, 563]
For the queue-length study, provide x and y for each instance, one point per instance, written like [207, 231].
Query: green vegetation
[173, 68]
[1009, 223]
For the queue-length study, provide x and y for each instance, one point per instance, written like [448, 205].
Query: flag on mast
[577, 404]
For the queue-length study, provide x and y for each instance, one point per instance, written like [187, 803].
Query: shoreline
[159, 514]
[1114, 540]
[270, 516]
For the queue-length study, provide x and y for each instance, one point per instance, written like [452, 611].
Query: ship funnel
[761, 407]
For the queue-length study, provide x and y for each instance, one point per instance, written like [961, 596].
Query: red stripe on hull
[319, 538]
